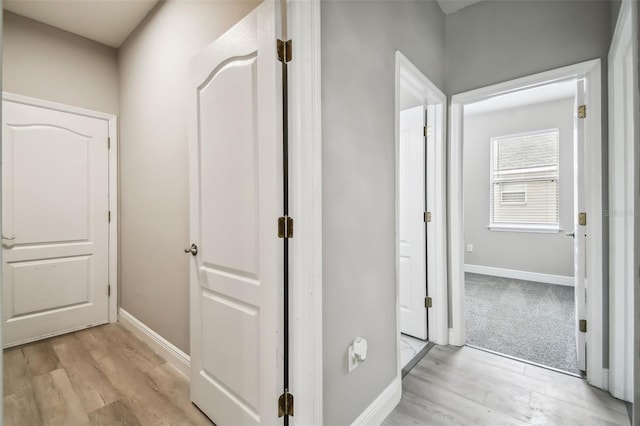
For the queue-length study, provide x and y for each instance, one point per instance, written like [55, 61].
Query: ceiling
[450, 6]
[106, 21]
[549, 92]
[111, 21]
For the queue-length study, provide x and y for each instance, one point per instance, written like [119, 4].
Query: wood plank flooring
[466, 386]
[98, 376]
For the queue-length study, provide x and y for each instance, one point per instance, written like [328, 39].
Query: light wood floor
[465, 386]
[98, 376]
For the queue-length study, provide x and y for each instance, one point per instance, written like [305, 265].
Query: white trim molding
[382, 406]
[305, 186]
[591, 72]
[520, 275]
[623, 142]
[174, 356]
[112, 122]
[408, 75]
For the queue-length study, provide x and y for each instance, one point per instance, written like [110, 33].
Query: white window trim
[523, 226]
[517, 227]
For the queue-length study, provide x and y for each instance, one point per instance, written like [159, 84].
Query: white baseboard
[520, 275]
[382, 406]
[174, 356]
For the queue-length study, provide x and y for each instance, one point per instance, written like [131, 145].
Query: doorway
[519, 225]
[508, 187]
[420, 215]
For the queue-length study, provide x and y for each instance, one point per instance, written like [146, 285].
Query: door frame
[622, 149]
[305, 206]
[436, 262]
[112, 122]
[591, 72]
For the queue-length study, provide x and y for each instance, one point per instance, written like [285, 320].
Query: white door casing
[55, 221]
[579, 238]
[590, 73]
[235, 181]
[623, 110]
[412, 255]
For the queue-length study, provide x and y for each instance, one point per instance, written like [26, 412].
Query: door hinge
[108, 143]
[284, 51]
[582, 111]
[426, 217]
[285, 404]
[109, 290]
[285, 227]
[583, 326]
[427, 131]
[109, 216]
[427, 302]
[582, 219]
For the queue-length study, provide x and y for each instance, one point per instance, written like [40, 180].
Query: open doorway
[535, 209]
[519, 225]
[420, 213]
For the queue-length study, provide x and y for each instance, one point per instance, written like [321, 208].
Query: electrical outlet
[469, 247]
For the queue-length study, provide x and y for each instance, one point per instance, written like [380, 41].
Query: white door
[412, 262]
[235, 187]
[55, 229]
[579, 240]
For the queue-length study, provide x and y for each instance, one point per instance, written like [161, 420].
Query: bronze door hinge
[582, 219]
[285, 227]
[284, 51]
[583, 326]
[426, 217]
[428, 302]
[285, 404]
[582, 111]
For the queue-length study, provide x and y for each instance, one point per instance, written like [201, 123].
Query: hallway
[466, 386]
[98, 376]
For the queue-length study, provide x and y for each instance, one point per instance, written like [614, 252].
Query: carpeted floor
[527, 320]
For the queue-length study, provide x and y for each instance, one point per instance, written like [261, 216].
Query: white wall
[359, 40]
[47, 63]
[154, 190]
[523, 251]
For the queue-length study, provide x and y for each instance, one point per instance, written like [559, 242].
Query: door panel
[579, 241]
[412, 262]
[236, 177]
[55, 223]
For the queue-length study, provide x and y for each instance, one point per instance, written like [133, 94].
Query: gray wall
[47, 63]
[359, 40]
[154, 187]
[495, 41]
[523, 251]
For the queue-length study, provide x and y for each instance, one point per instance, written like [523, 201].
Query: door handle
[570, 234]
[7, 238]
[193, 249]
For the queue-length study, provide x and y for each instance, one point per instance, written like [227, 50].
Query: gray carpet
[527, 320]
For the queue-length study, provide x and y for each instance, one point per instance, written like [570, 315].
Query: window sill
[536, 229]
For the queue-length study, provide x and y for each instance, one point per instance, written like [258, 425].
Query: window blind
[524, 179]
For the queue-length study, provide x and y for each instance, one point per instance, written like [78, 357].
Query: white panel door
[412, 262]
[236, 180]
[580, 237]
[55, 227]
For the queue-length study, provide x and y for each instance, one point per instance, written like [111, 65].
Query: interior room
[202, 196]
[519, 227]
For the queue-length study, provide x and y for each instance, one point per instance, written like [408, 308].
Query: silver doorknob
[570, 234]
[193, 249]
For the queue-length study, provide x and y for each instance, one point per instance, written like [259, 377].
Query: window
[524, 181]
